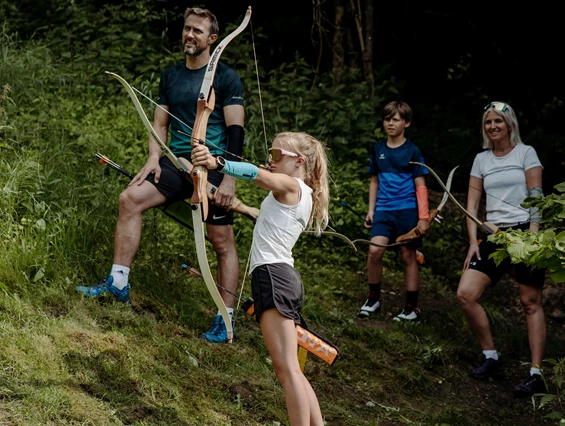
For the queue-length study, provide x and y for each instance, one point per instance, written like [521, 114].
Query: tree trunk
[368, 51]
[338, 42]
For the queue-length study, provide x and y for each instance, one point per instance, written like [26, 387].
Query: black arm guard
[236, 140]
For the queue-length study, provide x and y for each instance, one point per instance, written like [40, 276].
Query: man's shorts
[522, 273]
[277, 285]
[394, 223]
[176, 186]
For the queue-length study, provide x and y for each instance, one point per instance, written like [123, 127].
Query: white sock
[120, 274]
[492, 354]
[535, 370]
[230, 311]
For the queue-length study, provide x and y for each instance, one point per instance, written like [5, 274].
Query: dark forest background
[446, 59]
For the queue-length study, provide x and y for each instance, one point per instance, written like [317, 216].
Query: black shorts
[176, 186]
[522, 273]
[277, 285]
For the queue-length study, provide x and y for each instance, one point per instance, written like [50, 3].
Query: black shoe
[487, 368]
[531, 385]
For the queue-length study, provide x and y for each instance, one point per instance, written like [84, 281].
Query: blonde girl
[298, 200]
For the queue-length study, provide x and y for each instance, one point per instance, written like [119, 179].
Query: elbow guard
[534, 211]
[236, 140]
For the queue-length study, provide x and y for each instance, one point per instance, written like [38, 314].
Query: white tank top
[278, 227]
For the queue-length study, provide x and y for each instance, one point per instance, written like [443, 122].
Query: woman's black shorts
[522, 273]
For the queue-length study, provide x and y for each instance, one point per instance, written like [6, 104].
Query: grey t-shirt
[504, 182]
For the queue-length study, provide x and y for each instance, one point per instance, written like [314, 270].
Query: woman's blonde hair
[508, 115]
[315, 173]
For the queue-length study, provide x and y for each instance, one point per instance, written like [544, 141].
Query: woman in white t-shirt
[298, 199]
[508, 171]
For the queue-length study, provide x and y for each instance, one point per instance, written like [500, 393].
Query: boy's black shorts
[394, 223]
[177, 187]
[277, 285]
[522, 273]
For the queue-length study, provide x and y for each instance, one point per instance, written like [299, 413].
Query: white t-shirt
[278, 227]
[504, 182]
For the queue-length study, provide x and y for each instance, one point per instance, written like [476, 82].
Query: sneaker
[409, 315]
[103, 287]
[371, 306]
[488, 367]
[531, 385]
[218, 332]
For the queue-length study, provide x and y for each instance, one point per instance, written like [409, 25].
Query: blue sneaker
[218, 332]
[103, 287]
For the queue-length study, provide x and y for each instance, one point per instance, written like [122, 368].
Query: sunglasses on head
[275, 154]
[497, 106]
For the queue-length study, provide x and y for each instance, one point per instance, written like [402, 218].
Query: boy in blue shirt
[398, 201]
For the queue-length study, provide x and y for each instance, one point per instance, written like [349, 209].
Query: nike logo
[218, 217]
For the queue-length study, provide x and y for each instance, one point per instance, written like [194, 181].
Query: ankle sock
[121, 275]
[492, 354]
[230, 311]
[535, 370]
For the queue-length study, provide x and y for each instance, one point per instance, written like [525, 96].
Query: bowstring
[259, 89]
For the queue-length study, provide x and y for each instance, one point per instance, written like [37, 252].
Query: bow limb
[416, 232]
[205, 106]
[200, 241]
[147, 123]
[334, 234]
[487, 227]
[370, 243]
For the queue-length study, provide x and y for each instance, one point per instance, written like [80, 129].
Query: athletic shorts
[277, 285]
[522, 273]
[394, 223]
[176, 186]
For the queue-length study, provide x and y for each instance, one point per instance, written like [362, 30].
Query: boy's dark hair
[402, 108]
[206, 14]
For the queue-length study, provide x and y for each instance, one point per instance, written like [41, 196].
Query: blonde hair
[315, 173]
[511, 121]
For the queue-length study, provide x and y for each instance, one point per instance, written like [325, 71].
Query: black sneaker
[371, 306]
[531, 385]
[487, 368]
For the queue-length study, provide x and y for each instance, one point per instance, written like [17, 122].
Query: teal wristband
[245, 171]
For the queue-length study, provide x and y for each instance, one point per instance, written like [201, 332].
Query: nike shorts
[177, 187]
[522, 273]
[279, 286]
[394, 223]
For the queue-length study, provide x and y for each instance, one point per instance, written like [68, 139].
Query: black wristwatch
[221, 163]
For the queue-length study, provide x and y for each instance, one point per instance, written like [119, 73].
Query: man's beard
[193, 52]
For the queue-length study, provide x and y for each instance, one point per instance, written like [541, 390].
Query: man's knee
[133, 200]
[221, 238]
